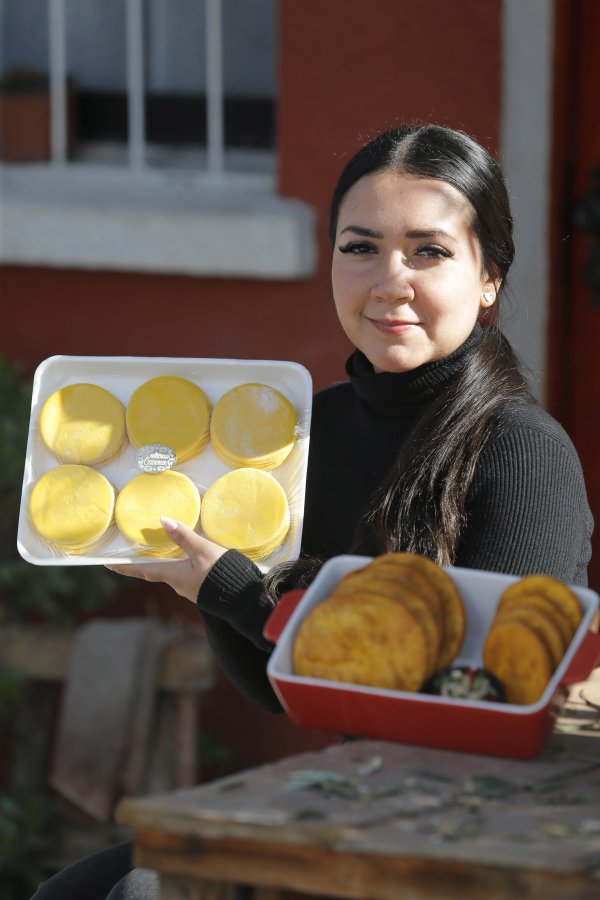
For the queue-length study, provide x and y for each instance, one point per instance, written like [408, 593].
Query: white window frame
[210, 222]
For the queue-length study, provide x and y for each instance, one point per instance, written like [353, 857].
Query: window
[168, 106]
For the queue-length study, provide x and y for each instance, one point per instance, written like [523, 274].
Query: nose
[394, 280]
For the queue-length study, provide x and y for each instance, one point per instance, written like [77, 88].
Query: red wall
[347, 70]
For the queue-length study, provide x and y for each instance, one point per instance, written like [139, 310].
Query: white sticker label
[155, 458]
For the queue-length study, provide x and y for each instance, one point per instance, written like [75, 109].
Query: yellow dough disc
[253, 425]
[169, 410]
[147, 497]
[72, 507]
[246, 510]
[82, 423]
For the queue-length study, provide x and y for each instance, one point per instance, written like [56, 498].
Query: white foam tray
[122, 375]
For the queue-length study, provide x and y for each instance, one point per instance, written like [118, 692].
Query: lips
[393, 326]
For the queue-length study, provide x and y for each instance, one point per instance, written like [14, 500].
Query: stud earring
[488, 298]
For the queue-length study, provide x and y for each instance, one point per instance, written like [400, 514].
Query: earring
[488, 298]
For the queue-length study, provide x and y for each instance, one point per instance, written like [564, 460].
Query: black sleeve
[242, 661]
[234, 609]
[527, 510]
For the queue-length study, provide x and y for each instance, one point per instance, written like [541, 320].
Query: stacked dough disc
[147, 497]
[72, 507]
[253, 425]
[82, 423]
[172, 411]
[246, 510]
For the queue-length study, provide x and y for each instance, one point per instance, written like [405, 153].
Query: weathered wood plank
[178, 888]
[317, 871]
[44, 654]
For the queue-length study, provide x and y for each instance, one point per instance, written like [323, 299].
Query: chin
[395, 362]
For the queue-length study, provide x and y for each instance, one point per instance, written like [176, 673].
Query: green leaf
[559, 829]
[306, 778]
[433, 776]
[370, 766]
[489, 786]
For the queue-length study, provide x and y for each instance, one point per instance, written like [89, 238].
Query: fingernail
[170, 525]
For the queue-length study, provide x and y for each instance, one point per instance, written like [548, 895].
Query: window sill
[177, 222]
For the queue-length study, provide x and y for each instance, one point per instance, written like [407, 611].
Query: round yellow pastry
[72, 506]
[246, 510]
[172, 411]
[253, 425]
[82, 423]
[143, 500]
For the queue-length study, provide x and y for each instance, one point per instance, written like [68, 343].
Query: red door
[574, 357]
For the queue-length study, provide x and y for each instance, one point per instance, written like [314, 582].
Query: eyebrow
[363, 232]
[428, 233]
[412, 233]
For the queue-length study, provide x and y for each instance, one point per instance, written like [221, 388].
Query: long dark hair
[421, 505]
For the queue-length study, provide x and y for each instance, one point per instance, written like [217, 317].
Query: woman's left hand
[185, 576]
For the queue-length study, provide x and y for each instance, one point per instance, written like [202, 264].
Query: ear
[489, 292]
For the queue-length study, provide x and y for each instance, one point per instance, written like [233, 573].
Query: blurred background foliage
[53, 595]
[48, 596]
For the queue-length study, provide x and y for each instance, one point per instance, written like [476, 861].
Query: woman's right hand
[185, 576]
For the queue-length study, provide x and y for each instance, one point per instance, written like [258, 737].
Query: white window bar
[58, 82]
[136, 119]
[215, 148]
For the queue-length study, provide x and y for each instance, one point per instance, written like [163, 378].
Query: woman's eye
[434, 251]
[357, 247]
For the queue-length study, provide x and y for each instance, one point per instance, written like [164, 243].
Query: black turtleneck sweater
[526, 509]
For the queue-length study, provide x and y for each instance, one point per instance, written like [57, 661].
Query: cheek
[350, 282]
[343, 287]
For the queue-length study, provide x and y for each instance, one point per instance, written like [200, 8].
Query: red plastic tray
[497, 729]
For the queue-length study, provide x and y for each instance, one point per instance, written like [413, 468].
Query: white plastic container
[122, 375]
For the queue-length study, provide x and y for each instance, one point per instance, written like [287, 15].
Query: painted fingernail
[170, 525]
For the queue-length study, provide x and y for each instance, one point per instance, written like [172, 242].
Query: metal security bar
[58, 81]
[135, 48]
[214, 86]
[136, 119]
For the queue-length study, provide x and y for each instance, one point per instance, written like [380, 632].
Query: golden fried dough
[362, 639]
[378, 583]
[544, 605]
[554, 590]
[517, 656]
[543, 626]
[453, 611]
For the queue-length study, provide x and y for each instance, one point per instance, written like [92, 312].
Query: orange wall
[348, 69]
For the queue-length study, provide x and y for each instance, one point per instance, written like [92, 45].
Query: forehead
[400, 199]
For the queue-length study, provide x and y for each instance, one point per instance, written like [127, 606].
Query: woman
[434, 444]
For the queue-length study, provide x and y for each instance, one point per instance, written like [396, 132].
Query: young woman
[434, 443]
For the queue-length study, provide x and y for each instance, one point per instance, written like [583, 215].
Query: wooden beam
[43, 654]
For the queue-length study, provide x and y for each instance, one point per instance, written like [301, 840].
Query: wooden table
[380, 821]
